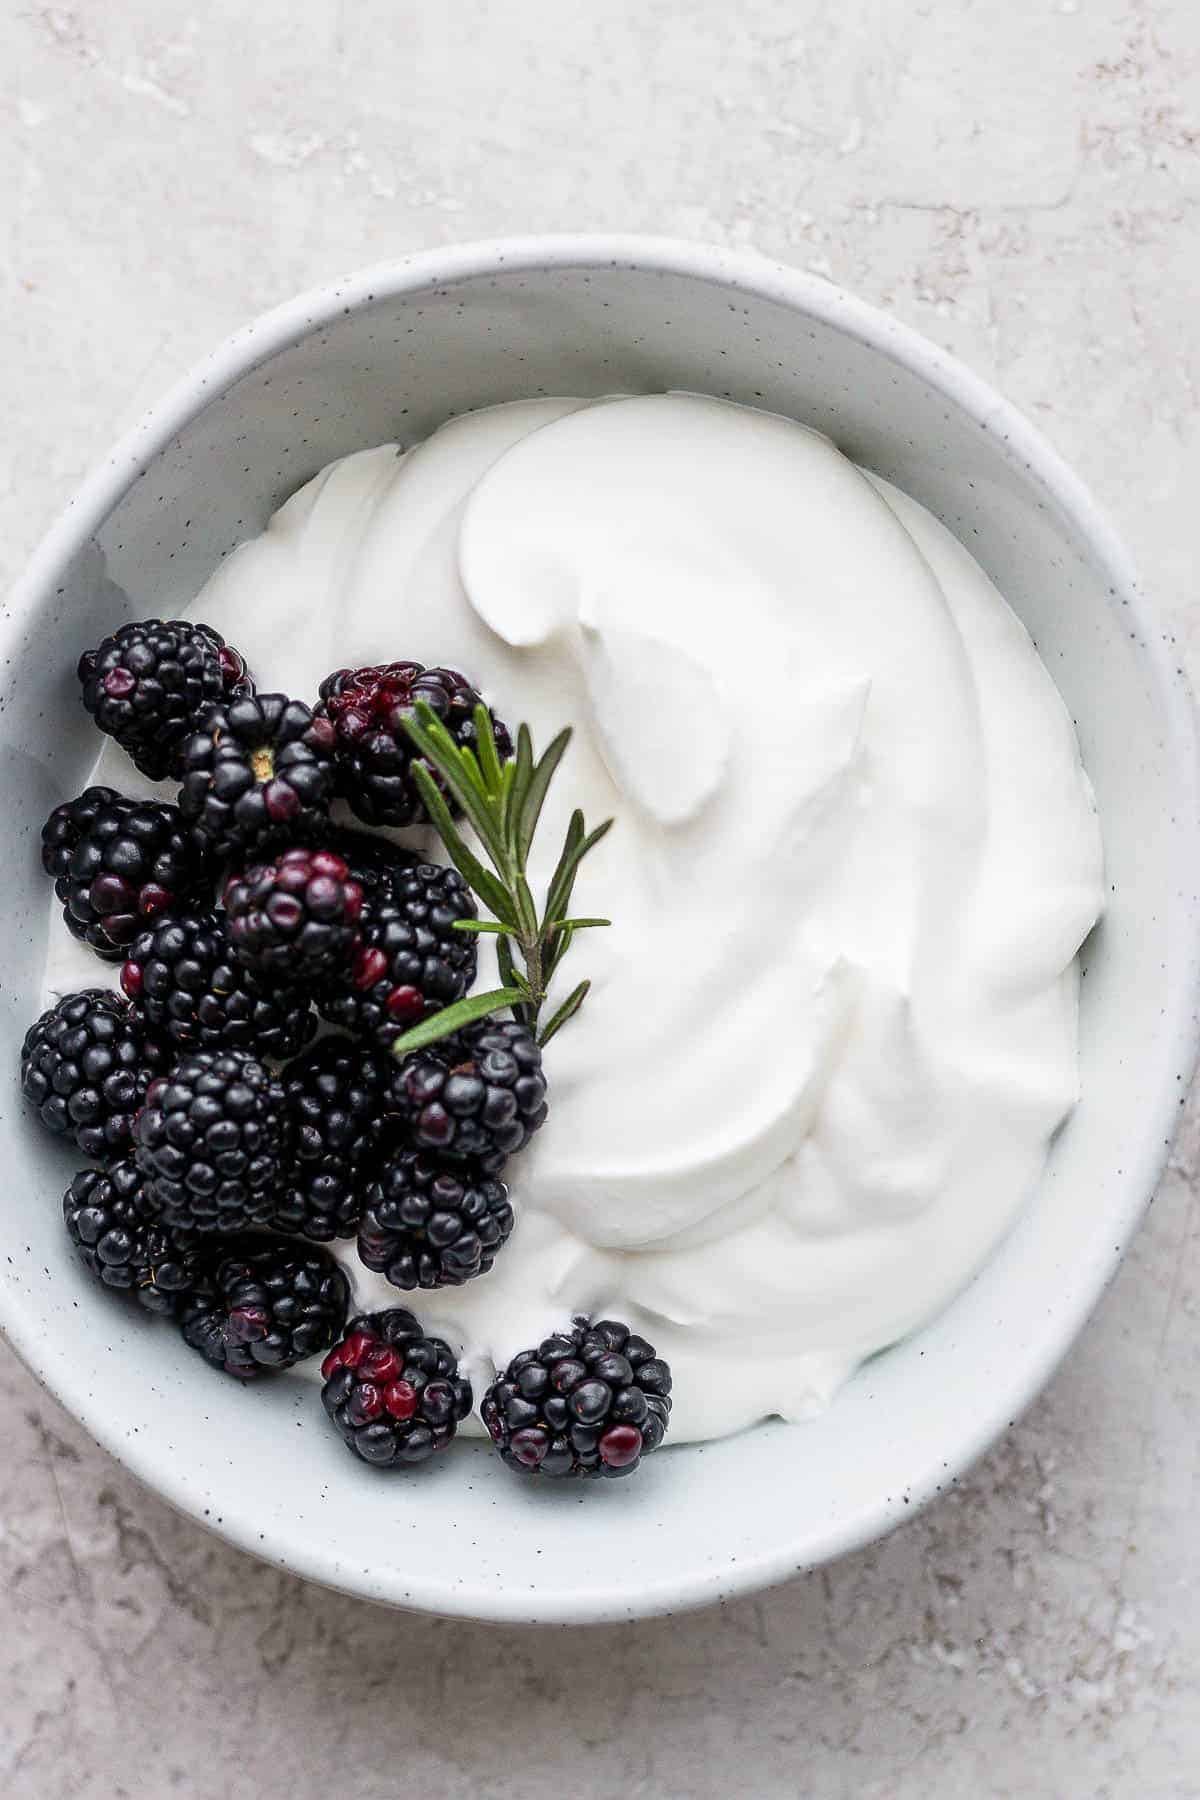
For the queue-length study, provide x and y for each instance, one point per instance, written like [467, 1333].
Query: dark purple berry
[149, 683]
[375, 756]
[395, 1395]
[593, 1401]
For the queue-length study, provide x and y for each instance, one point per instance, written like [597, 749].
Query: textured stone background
[1019, 179]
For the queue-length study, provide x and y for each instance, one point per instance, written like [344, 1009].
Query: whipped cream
[833, 1026]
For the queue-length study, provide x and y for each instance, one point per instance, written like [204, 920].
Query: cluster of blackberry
[224, 1137]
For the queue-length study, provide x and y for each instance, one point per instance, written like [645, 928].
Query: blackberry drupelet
[395, 1395]
[118, 862]
[148, 683]
[429, 1223]
[480, 1094]
[189, 990]
[212, 1142]
[116, 1230]
[296, 918]
[86, 1065]
[263, 1304]
[257, 771]
[410, 961]
[590, 1401]
[335, 1102]
[374, 753]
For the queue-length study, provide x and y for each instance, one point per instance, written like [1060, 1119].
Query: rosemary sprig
[502, 802]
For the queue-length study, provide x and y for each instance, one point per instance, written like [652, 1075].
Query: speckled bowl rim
[811, 297]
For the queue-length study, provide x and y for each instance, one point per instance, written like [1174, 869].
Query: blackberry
[479, 1094]
[211, 1142]
[118, 862]
[296, 918]
[264, 1304]
[86, 1065]
[256, 771]
[395, 1396]
[189, 990]
[335, 1102]
[410, 960]
[374, 862]
[114, 1227]
[147, 685]
[432, 1224]
[590, 1401]
[374, 753]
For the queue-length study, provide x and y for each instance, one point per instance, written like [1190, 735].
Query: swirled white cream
[833, 1026]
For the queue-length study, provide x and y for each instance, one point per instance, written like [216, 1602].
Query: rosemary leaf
[504, 960]
[562, 882]
[439, 748]
[453, 1018]
[526, 909]
[535, 793]
[474, 772]
[481, 925]
[508, 777]
[490, 889]
[558, 891]
[561, 936]
[522, 769]
[567, 1010]
[489, 756]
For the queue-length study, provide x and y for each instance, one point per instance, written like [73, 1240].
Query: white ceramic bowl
[390, 354]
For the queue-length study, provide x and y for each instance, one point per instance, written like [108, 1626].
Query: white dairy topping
[833, 1026]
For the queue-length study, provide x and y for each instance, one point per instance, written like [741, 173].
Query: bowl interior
[391, 358]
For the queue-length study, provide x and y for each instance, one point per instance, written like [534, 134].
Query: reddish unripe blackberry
[256, 772]
[591, 1401]
[374, 753]
[295, 919]
[395, 1395]
[118, 863]
[149, 682]
[430, 1223]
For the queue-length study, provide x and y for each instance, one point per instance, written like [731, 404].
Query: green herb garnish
[502, 802]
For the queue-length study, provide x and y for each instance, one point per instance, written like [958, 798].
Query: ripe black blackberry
[263, 1304]
[374, 753]
[86, 1065]
[374, 861]
[429, 1223]
[478, 1095]
[212, 1142]
[590, 1401]
[115, 1227]
[189, 990]
[395, 1395]
[335, 1102]
[257, 771]
[148, 683]
[296, 918]
[118, 862]
[410, 961]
